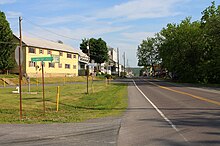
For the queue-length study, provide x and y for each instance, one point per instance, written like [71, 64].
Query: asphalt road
[159, 114]
[101, 132]
[177, 115]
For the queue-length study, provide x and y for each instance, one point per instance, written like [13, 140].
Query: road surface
[163, 114]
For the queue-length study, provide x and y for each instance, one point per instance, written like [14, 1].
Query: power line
[36, 35]
[27, 20]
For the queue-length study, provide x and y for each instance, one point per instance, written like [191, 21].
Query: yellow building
[35, 48]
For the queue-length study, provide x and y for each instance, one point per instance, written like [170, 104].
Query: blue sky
[122, 24]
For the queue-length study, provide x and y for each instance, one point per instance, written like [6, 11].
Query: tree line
[189, 50]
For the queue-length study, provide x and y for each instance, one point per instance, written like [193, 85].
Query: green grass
[75, 105]
[8, 76]
[47, 80]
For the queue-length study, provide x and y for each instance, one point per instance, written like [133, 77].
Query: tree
[98, 50]
[211, 27]
[182, 50]
[189, 50]
[147, 53]
[7, 46]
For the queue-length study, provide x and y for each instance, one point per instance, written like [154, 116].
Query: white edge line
[159, 111]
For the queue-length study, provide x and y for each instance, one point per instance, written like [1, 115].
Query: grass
[8, 76]
[75, 105]
[47, 80]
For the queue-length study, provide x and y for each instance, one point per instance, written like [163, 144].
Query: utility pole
[124, 64]
[20, 73]
[118, 62]
[44, 108]
[87, 69]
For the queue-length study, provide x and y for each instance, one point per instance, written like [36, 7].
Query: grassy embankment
[75, 105]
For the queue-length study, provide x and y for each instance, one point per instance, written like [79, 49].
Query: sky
[121, 24]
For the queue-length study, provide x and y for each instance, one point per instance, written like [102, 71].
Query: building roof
[36, 42]
[45, 44]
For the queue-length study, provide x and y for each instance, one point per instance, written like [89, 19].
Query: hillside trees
[7, 46]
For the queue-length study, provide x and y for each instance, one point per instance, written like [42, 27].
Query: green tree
[211, 27]
[98, 50]
[181, 49]
[190, 50]
[147, 52]
[7, 46]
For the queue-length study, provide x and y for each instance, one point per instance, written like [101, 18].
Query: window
[51, 65]
[32, 64]
[31, 50]
[49, 52]
[60, 65]
[41, 51]
[74, 66]
[74, 56]
[67, 66]
[61, 53]
[69, 55]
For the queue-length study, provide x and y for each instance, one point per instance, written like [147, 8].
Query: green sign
[42, 59]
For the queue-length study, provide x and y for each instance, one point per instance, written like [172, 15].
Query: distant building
[83, 61]
[111, 66]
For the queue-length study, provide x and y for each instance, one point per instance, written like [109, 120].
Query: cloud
[97, 31]
[12, 14]
[138, 9]
[130, 53]
[128, 11]
[53, 5]
[76, 34]
[63, 19]
[2, 2]
[137, 36]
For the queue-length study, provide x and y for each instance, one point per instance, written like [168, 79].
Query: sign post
[42, 59]
[42, 65]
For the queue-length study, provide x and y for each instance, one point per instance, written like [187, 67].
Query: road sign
[56, 58]
[17, 55]
[42, 59]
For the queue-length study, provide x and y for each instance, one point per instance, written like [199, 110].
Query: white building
[111, 67]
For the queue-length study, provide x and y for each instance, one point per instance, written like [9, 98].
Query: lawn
[48, 80]
[75, 104]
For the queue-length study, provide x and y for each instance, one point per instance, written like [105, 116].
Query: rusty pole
[20, 72]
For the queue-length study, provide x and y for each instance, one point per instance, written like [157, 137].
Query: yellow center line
[185, 93]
